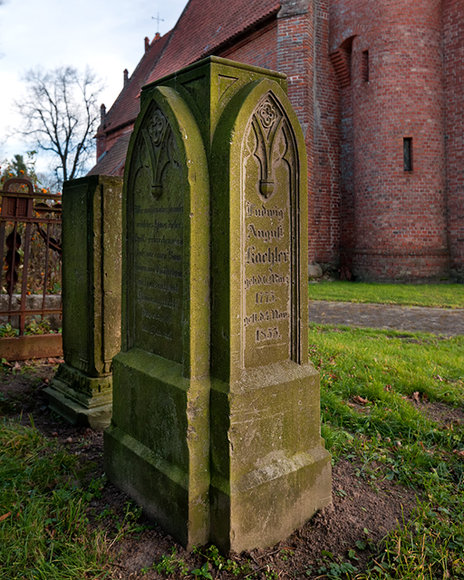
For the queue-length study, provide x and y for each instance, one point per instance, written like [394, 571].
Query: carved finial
[126, 76]
[102, 113]
[266, 187]
[147, 43]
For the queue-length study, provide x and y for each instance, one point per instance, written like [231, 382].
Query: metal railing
[30, 276]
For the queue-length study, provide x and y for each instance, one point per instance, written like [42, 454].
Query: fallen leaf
[416, 396]
[360, 400]
[387, 388]
[5, 516]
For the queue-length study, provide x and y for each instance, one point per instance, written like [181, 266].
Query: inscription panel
[158, 194]
[266, 230]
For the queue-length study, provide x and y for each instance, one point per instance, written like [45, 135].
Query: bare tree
[61, 116]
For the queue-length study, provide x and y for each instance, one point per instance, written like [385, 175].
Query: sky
[106, 35]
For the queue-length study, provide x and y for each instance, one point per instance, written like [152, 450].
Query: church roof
[205, 27]
[126, 107]
[112, 161]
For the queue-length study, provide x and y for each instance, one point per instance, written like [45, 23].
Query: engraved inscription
[266, 226]
[157, 242]
[158, 267]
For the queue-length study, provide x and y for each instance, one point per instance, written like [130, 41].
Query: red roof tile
[112, 161]
[127, 106]
[205, 25]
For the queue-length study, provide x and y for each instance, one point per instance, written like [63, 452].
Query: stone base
[314, 271]
[80, 399]
[272, 502]
[156, 448]
[270, 470]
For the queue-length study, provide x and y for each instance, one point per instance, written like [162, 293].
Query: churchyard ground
[431, 295]
[392, 417]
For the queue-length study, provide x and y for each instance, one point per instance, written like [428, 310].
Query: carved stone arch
[266, 164]
[166, 193]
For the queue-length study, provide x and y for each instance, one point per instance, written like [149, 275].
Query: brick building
[379, 91]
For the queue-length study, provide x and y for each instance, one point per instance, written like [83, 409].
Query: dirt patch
[363, 510]
[441, 413]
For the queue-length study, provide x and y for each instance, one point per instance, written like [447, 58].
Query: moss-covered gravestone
[215, 428]
[81, 390]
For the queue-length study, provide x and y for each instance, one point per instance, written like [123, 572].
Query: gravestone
[215, 428]
[81, 390]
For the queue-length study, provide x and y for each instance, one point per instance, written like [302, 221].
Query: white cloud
[106, 35]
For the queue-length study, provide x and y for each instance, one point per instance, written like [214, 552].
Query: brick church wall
[453, 51]
[396, 219]
[297, 45]
[326, 207]
[365, 78]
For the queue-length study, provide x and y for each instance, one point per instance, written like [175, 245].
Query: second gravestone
[215, 428]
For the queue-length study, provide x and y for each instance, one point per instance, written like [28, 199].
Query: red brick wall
[325, 211]
[298, 47]
[365, 211]
[258, 50]
[395, 220]
[453, 52]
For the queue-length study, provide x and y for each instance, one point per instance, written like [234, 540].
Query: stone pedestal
[81, 391]
[215, 430]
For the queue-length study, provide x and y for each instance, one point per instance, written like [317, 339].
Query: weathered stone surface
[92, 224]
[314, 271]
[269, 469]
[293, 8]
[157, 448]
[215, 430]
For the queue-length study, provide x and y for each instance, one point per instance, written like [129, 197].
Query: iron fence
[30, 277]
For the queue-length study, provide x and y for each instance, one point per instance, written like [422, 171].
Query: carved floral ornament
[263, 135]
[157, 127]
[158, 140]
[267, 113]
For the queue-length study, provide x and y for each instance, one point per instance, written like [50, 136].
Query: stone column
[81, 390]
[270, 471]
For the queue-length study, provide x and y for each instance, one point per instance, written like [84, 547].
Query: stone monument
[215, 428]
[81, 390]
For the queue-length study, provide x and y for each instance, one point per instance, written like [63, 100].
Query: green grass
[44, 511]
[435, 295]
[44, 530]
[368, 379]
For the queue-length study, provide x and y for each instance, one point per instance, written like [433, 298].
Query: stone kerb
[215, 428]
[81, 390]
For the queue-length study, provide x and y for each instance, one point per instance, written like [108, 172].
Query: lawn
[435, 295]
[392, 410]
[393, 403]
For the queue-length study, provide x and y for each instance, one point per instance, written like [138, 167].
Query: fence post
[81, 390]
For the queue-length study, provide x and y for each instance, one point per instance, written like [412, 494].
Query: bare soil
[363, 510]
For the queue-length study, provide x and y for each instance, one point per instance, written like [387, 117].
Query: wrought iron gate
[30, 276]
